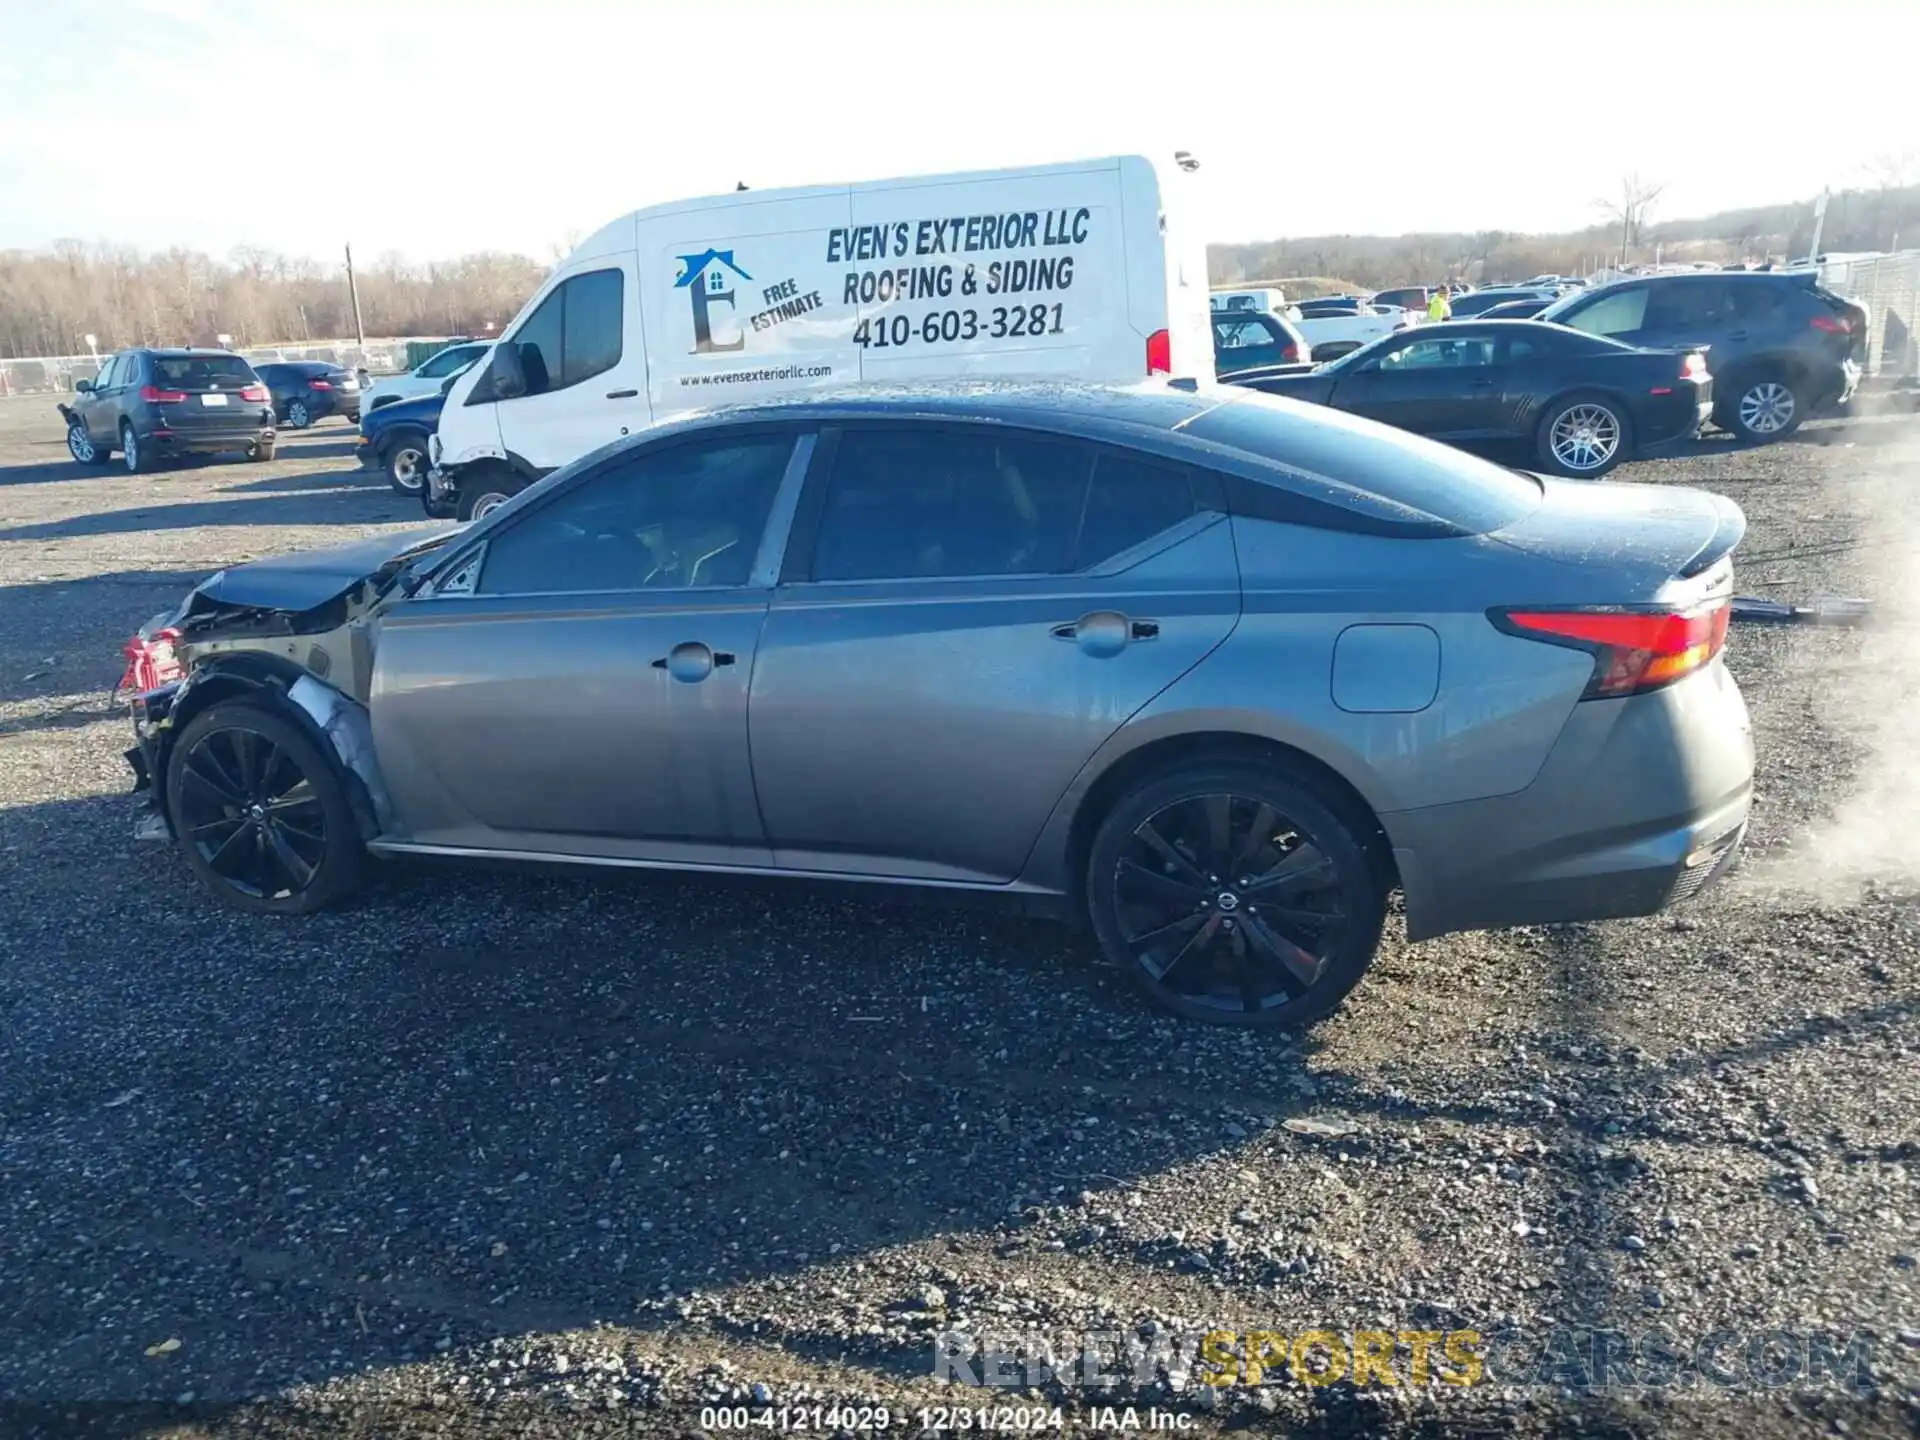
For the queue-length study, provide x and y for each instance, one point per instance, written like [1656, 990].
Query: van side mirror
[509, 376]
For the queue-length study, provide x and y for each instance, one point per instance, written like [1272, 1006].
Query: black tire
[1764, 406]
[1609, 434]
[1229, 974]
[81, 447]
[242, 776]
[299, 416]
[260, 452]
[404, 457]
[133, 451]
[482, 490]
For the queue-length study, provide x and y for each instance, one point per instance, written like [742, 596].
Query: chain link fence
[56, 374]
[1889, 286]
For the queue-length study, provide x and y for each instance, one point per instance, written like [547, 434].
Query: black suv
[1779, 345]
[147, 404]
[307, 391]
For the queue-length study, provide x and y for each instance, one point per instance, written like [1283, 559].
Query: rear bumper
[207, 441]
[1641, 804]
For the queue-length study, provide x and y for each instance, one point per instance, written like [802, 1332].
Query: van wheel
[262, 815]
[1237, 892]
[482, 494]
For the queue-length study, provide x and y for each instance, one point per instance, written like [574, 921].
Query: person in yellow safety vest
[1439, 307]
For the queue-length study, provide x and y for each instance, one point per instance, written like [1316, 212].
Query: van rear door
[1167, 264]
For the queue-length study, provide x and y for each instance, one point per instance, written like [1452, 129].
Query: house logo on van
[704, 277]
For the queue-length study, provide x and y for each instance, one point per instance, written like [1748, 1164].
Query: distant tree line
[1884, 217]
[50, 300]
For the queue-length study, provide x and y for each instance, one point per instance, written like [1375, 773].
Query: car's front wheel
[1238, 892]
[80, 445]
[1766, 407]
[406, 462]
[261, 813]
[1583, 437]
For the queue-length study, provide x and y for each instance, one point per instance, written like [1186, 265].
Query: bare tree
[1630, 209]
[1893, 169]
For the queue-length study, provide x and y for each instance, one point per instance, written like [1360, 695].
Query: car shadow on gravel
[317, 503]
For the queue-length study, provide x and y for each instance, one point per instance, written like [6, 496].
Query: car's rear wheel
[483, 493]
[262, 815]
[1236, 892]
[298, 415]
[1766, 407]
[1583, 436]
[133, 451]
[406, 461]
[80, 445]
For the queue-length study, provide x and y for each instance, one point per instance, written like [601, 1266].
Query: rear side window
[575, 333]
[1365, 476]
[1620, 313]
[940, 503]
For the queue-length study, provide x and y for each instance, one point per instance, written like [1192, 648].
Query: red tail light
[254, 394]
[1833, 324]
[1160, 353]
[1694, 367]
[1291, 354]
[154, 395]
[319, 385]
[1634, 651]
[151, 662]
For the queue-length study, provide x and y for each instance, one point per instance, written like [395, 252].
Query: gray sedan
[1215, 671]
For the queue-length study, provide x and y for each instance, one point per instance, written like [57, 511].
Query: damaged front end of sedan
[296, 635]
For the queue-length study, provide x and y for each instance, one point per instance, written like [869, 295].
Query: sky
[433, 129]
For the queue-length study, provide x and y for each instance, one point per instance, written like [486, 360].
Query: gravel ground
[572, 1154]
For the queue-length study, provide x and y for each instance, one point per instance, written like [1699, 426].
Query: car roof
[183, 352]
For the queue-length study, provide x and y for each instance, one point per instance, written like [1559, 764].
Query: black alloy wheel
[1237, 896]
[262, 816]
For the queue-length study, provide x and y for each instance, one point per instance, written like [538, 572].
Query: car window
[202, 372]
[1369, 470]
[105, 380]
[1688, 305]
[1440, 354]
[1620, 313]
[1515, 349]
[1755, 302]
[445, 363]
[1242, 334]
[1131, 500]
[574, 334]
[688, 517]
[935, 502]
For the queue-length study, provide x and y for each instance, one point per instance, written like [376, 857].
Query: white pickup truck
[1334, 327]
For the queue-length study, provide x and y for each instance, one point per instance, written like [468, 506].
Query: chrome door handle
[692, 662]
[1105, 632]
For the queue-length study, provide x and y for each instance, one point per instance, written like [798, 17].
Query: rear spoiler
[1729, 529]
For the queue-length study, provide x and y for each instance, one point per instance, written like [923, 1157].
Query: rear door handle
[692, 661]
[1479, 384]
[1105, 632]
[622, 394]
[1736, 335]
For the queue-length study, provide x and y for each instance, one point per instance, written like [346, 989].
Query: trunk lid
[1623, 543]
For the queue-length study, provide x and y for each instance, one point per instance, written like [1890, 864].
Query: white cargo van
[1086, 271]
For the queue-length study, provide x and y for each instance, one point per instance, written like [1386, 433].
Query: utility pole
[1819, 223]
[353, 294]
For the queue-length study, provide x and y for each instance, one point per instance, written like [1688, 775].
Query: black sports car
[1582, 402]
